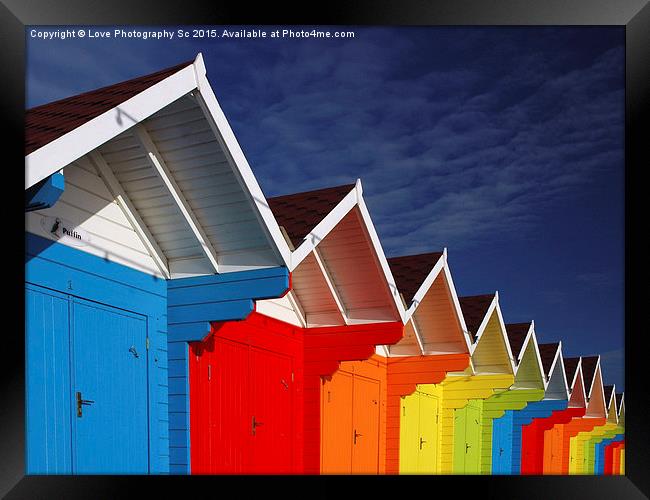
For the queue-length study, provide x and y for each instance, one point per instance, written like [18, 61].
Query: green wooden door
[467, 439]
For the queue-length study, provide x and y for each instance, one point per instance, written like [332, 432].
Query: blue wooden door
[109, 390]
[47, 377]
[502, 444]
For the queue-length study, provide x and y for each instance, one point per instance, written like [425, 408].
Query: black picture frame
[633, 14]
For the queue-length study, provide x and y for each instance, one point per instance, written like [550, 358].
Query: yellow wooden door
[409, 434]
[428, 440]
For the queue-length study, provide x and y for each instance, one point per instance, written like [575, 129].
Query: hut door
[419, 434]
[365, 422]
[271, 427]
[502, 444]
[109, 390]
[428, 439]
[336, 418]
[473, 438]
[467, 439]
[241, 408]
[87, 392]
[350, 425]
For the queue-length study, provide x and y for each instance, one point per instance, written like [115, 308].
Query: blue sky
[503, 144]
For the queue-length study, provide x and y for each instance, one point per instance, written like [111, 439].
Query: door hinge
[147, 343]
[292, 377]
[403, 411]
[209, 372]
[436, 419]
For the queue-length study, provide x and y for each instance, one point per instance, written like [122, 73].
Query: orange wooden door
[350, 413]
[365, 421]
[553, 449]
[336, 424]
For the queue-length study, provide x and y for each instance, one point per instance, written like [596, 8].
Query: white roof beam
[418, 337]
[156, 160]
[300, 311]
[130, 212]
[331, 287]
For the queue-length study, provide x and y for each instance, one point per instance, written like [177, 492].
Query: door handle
[81, 402]
[467, 447]
[356, 435]
[133, 351]
[422, 441]
[500, 451]
[255, 424]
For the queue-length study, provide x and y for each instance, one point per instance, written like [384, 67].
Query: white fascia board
[297, 307]
[424, 287]
[504, 333]
[531, 337]
[323, 228]
[558, 363]
[593, 378]
[612, 399]
[621, 405]
[459, 311]
[484, 322]
[71, 146]
[330, 286]
[599, 373]
[584, 392]
[418, 337]
[217, 119]
[379, 252]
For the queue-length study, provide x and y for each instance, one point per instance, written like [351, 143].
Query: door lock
[81, 402]
[356, 435]
[255, 424]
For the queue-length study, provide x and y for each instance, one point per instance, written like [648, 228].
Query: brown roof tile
[48, 122]
[299, 213]
[547, 353]
[516, 336]
[410, 271]
[588, 371]
[570, 367]
[474, 309]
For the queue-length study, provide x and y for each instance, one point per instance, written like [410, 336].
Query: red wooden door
[271, 398]
[219, 401]
[241, 407]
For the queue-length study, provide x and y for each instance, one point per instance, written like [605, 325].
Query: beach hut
[590, 439]
[560, 451]
[464, 440]
[544, 414]
[536, 362]
[581, 428]
[604, 435]
[614, 456]
[435, 342]
[277, 392]
[143, 220]
[599, 461]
